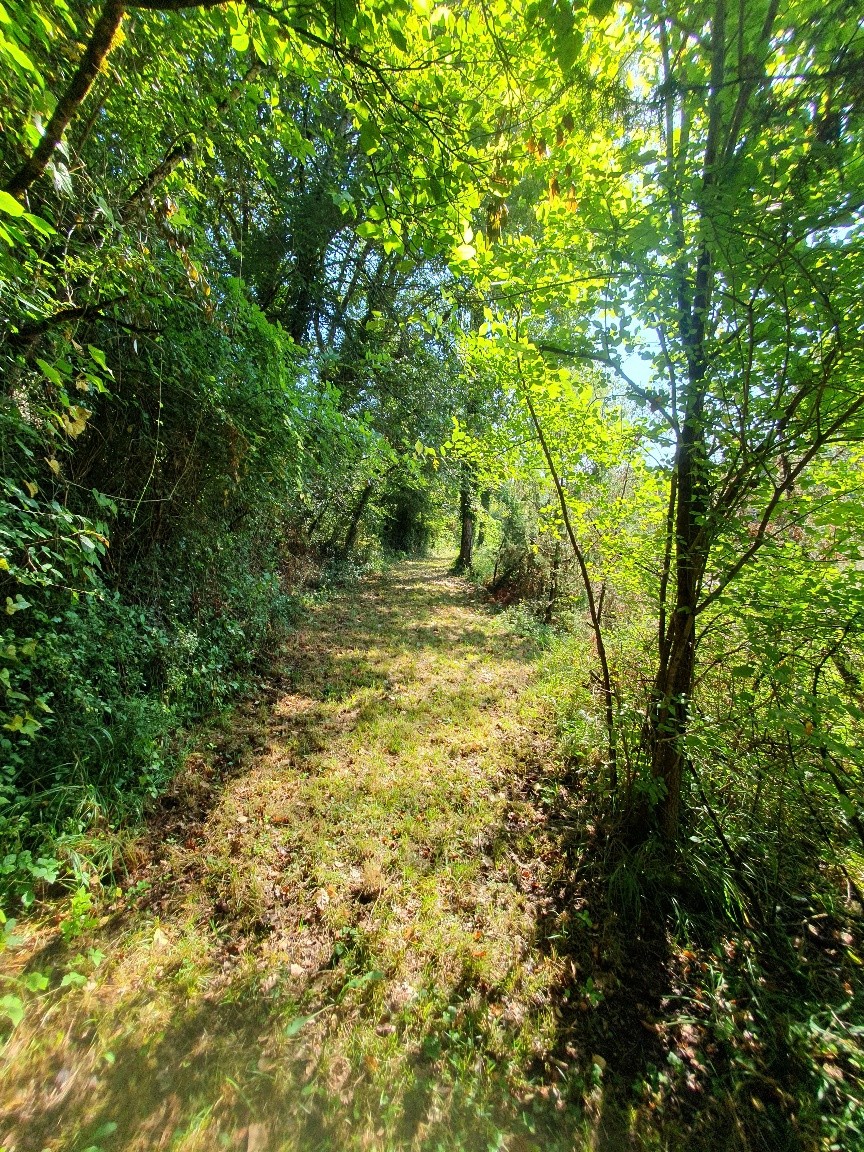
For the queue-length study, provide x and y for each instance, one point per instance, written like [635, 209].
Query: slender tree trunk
[356, 517]
[672, 690]
[690, 498]
[552, 591]
[485, 500]
[594, 609]
[469, 521]
[673, 684]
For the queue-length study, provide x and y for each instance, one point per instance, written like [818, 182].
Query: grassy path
[329, 936]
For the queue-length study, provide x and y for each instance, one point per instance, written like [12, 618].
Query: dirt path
[329, 936]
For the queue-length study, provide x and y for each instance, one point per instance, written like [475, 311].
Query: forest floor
[350, 924]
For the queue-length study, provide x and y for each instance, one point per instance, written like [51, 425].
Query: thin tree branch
[586, 581]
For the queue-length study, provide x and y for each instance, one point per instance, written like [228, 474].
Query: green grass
[379, 910]
[337, 945]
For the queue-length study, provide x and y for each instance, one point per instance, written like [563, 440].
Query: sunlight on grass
[336, 946]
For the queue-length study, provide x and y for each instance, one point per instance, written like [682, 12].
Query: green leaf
[600, 9]
[397, 36]
[99, 356]
[849, 809]
[10, 205]
[73, 979]
[12, 1007]
[370, 137]
[296, 1026]
[369, 230]
[20, 58]
[41, 226]
[51, 372]
[35, 981]
[371, 977]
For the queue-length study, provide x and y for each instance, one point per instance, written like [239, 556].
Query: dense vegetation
[290, 289]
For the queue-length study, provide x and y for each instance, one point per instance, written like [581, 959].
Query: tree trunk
[673, 684]
[677, 656]
[672, 690]
[594, 610]
[356, 517]
[485, 500]
[552, 590]
[468, 518]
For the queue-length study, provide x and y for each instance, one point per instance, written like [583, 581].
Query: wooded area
[290, 292]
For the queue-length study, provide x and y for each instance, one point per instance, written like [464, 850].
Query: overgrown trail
[329, 935]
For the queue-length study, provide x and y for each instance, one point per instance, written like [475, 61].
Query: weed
[79, 919]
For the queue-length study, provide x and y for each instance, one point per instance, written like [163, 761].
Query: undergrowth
[744, 951]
